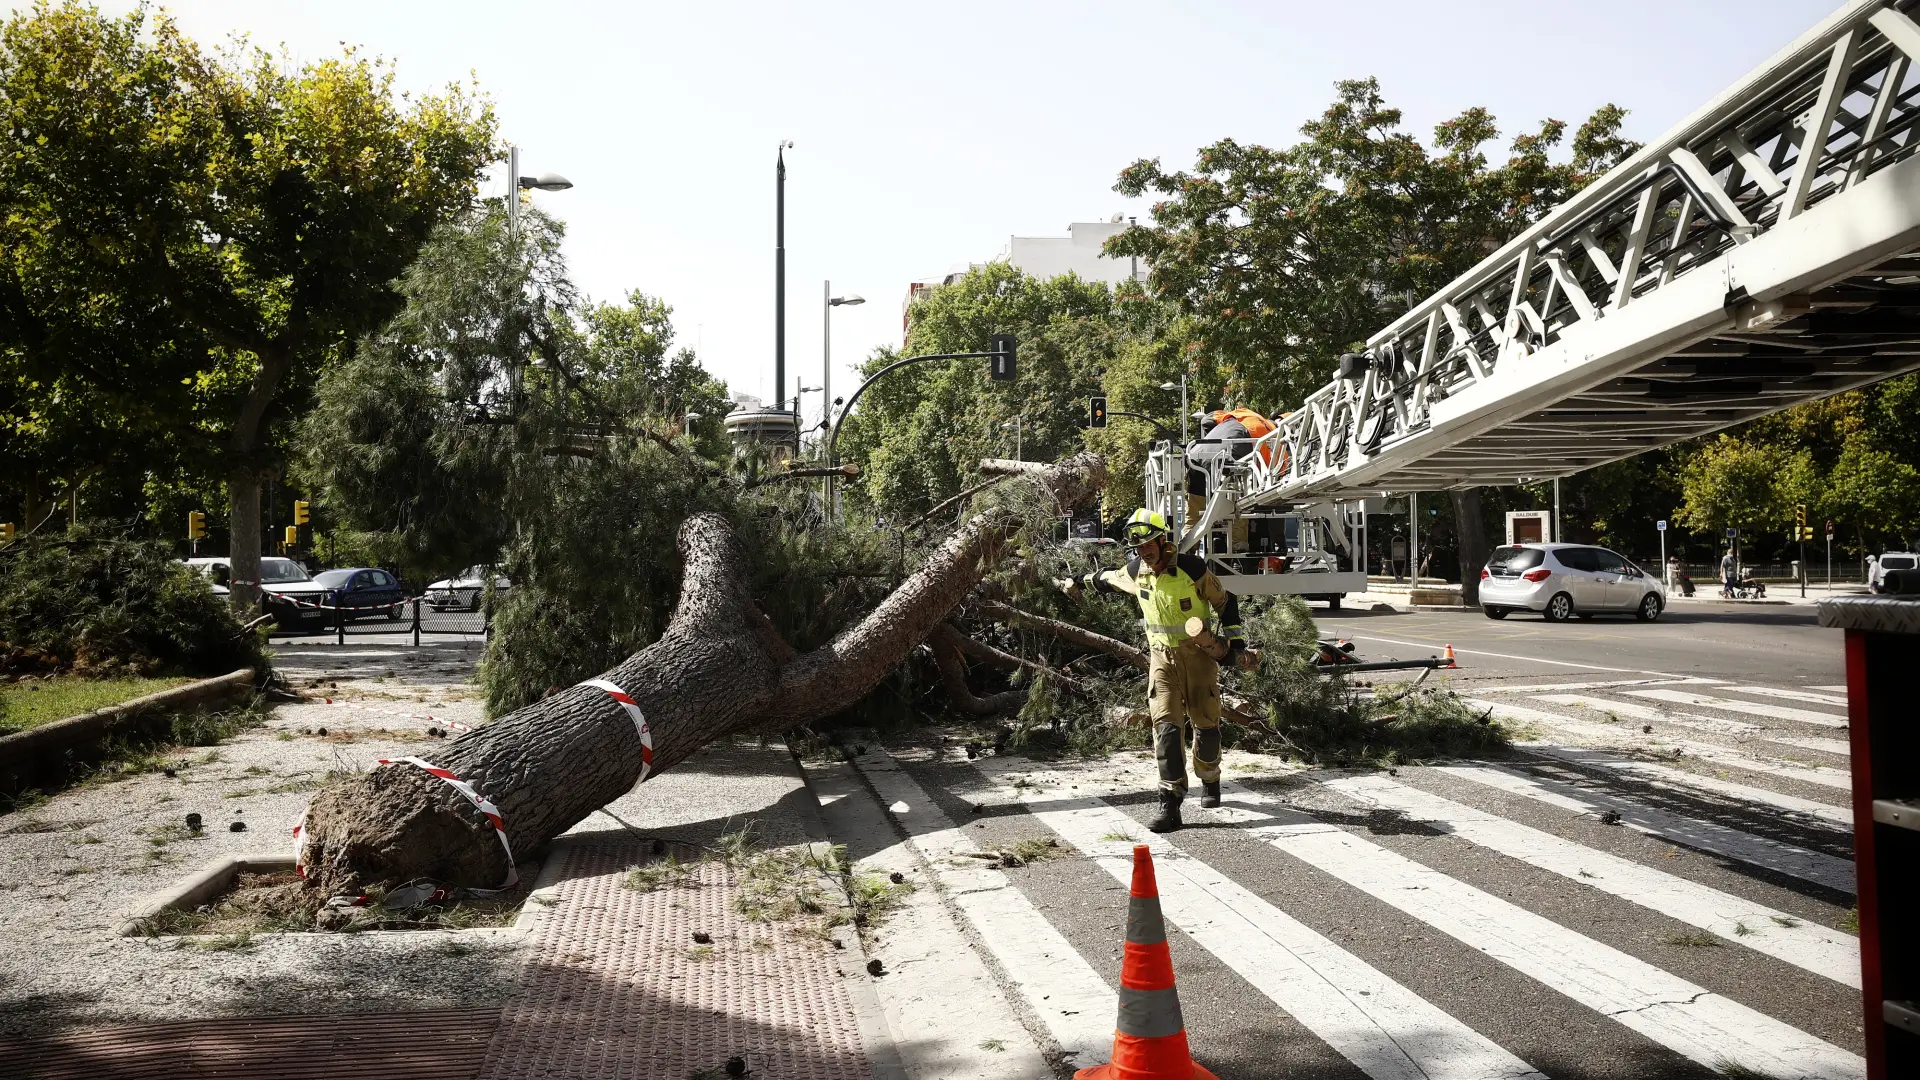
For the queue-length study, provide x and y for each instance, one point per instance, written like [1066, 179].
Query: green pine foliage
[93, 604]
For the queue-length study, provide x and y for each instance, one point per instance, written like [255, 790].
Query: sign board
[1087, 528]
[1733, 534]
[1529, 526]
[1660, 525]
[1398, 549]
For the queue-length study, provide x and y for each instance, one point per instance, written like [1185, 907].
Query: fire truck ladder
[1759, 255]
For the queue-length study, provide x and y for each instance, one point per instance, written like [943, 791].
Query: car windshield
[1514, 559]
[333, 579]
[281, 571]
[1897, 562]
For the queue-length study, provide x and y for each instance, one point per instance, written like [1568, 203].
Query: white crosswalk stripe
[1708, 836]
[1749, 708]
[1742, 922]
[1634, 710]
[1825, 746]
[1074, 1003]
[1694, 1022]
[1793, 695]
[1649, 770]
[1386, 1030]
[1836, 689]
[1534, 688]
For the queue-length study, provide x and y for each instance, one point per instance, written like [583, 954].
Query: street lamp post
[1183, 404]
[780, 281]
[826, 367]
[517, 183]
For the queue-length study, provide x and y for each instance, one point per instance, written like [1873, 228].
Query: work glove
[1070, 586]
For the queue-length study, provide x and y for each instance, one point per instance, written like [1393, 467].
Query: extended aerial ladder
[1762, 254]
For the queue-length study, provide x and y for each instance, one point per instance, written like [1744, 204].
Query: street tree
[1286, 258]
[240, 216]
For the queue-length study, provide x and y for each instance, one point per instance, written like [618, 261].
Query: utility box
[1529, 527]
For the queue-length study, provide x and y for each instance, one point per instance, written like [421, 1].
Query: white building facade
[1043, 257]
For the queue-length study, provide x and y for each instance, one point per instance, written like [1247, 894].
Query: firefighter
[1183, 682]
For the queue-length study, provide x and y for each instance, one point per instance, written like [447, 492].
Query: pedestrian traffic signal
[196, 525]
[300, 515]
[1829, 530]
[293, 537]
[1002, 356]
[1097, 411]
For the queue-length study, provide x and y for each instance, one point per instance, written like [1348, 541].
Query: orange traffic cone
[1448, 657]
[1150, 1039]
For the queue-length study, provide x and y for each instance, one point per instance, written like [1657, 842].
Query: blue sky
[926, 134]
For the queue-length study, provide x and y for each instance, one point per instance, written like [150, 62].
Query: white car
[465, 589]
[1563, 580]
[1892, 560]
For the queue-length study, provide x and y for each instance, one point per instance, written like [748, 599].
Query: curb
[27, 757]
[212, 880]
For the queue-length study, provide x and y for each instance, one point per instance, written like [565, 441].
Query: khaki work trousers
[1183, 697]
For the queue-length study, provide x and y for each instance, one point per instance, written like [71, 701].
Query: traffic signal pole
[1002, 370]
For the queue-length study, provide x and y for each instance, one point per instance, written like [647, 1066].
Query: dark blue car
[365, 592]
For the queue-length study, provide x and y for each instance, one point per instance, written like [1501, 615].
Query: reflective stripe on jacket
[1188, 589]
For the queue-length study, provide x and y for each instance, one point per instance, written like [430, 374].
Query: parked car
[282, 583]
[465, 589]
[1892, 560]
[363, 591]
[1563, 580]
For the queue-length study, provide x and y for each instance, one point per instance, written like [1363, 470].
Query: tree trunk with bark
[243, 484]
[1471, 525]
[719, 669]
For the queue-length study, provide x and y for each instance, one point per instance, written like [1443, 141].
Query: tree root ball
[395, 823]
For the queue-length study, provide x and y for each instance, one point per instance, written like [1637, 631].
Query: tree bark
[946, 644]
[1062, 631]
[1470, 527]
[720, 668]
[243, 485]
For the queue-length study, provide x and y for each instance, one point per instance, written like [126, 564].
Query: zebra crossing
[1672, 892]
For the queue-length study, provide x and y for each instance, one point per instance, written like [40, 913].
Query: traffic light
[6, 532]
[1002, 358]
[300, 515]
[1800, 517]
[293, 537]
[1097, 411]
[196, 525]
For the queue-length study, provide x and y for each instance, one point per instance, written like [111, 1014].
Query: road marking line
[1825, 746]
[1837, 689]
[1071, 999]
[1690, 1020]
[1636, 711]
[1591, 685]
[1384, 1029]
[1791, 695]
[1819, 775]
[1711, 837]
[1751, 708]
[1818, 949]
[1817, 814]
[1512, 656]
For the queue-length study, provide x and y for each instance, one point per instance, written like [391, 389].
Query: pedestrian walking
[1729, 573]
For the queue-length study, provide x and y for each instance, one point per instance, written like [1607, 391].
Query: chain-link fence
[412, 616]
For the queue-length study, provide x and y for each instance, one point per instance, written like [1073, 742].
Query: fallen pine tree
[504, 790]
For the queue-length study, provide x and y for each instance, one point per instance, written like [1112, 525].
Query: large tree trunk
[719, 669]
[243, 484]
[1470, 524]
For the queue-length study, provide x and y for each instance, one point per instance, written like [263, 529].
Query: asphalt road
[1656, 883]
[1708, 640]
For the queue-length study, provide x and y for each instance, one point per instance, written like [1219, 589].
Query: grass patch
[1117, 838]
[1733, 1070]
[1699, 939]
[874, 897]
[1035, 849]
[1850, 922]
[29, 703]
[995, 1045]
[150, 749]
[1787, 921]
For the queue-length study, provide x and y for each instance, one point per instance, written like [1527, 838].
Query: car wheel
[393, 613]
[1649, 608]
[1333, 603]
[1559, 609]
[1495, 612]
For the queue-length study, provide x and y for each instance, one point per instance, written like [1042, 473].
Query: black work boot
[1169, 818]
[1209, 793]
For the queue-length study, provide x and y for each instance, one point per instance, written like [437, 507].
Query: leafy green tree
[919, 434]
[1287, 258]
[1733, 483]
[282, 203]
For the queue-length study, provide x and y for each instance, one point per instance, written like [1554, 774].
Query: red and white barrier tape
[297, 602]
[450, 725]
[639, 721]
[480, 802]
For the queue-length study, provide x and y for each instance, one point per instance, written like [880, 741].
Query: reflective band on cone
[1150, 1038]
[639, 721]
